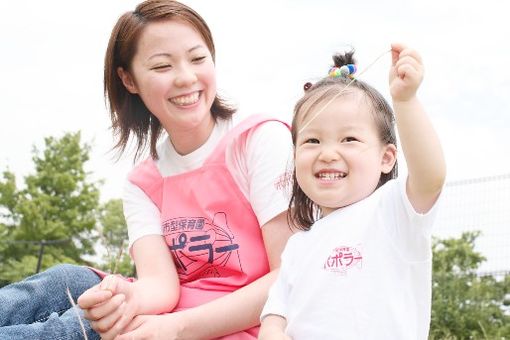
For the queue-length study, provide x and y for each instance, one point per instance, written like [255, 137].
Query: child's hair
[303, 211]
[128, 113]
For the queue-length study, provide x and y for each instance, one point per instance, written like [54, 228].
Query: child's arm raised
[420, 143]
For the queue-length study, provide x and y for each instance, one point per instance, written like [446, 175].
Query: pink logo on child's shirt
[342, 259]
[284, 181]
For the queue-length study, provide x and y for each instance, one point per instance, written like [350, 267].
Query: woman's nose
[185, 76]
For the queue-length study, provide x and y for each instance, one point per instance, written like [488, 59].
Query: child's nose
[329, 153]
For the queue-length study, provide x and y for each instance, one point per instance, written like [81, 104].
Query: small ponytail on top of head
[346, 58]
[345, 65]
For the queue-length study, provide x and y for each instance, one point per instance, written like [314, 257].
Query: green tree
[114, 238]
[464, 304]
[54, 212]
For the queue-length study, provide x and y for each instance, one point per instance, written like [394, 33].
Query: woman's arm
[157, 285]
[156, 290]
[234, 312]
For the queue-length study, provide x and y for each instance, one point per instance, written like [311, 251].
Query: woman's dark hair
[128, 113]
[303, 211]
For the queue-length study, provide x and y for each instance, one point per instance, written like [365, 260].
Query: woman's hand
[109, 306]
[156, 327]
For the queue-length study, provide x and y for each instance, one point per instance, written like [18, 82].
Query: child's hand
[109, 306]
[406, 72]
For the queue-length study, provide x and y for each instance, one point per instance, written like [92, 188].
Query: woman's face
[173, 73]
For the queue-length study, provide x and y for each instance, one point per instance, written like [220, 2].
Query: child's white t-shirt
[362, 272]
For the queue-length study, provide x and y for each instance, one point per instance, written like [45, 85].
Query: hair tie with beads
[343, 71]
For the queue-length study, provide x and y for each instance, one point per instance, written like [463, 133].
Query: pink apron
[209, 226]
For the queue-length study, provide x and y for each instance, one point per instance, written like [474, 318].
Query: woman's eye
[312, 141]
[198, 59]
[349, 139]
[161, 67]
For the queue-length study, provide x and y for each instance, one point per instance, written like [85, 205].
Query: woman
[208, 192]
[206, 213]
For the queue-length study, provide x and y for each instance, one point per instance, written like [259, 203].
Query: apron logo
[200, 247]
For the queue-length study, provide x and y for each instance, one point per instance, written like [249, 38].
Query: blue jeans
[39, 308]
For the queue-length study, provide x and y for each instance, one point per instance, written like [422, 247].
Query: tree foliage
[464, 304]
[55, 210]
[114, 238]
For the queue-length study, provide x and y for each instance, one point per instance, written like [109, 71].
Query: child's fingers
[400, 52]
[408, 73]
[116, 284]
[92, 297]
[103, 310]
[408, 67]
[394, 57]
[396, 49]
[397, 46]
[108, 326]
[109, 283]
[412, 53]
[408, 60]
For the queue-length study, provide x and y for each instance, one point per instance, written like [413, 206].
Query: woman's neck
[187, 141]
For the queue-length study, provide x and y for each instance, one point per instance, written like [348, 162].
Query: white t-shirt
[259, 162]
[362, 272]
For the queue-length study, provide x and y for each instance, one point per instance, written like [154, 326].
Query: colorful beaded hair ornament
[346, 71]
[343, 71]
[334, 72]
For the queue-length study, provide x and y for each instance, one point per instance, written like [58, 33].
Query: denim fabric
[39, 308]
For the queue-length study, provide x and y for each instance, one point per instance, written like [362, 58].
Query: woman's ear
[127, 80]
[389, 158]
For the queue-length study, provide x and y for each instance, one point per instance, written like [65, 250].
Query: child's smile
[339, 156]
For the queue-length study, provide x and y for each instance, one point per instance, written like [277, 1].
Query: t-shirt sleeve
[411, 231]
[269, 167]
[141, 214]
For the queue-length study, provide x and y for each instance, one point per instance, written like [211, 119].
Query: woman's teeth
[186, 100]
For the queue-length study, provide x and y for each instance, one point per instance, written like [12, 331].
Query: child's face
[173, 72]
[339, 156]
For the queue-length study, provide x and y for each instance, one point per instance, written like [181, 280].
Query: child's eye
[349, 139]
[312, 141]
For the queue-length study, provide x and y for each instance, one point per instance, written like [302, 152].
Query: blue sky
[52, 53]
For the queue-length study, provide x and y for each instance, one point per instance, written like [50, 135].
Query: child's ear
[127, 80]
[389, 158]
